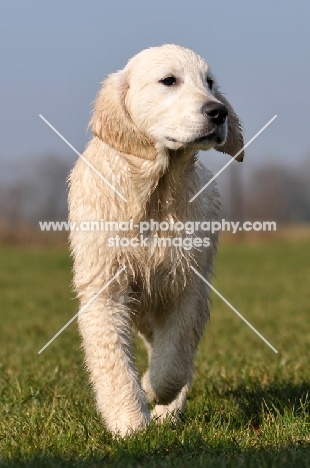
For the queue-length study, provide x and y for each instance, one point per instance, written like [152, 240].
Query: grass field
[248, 406]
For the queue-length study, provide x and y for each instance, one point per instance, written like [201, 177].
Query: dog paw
[162, 412]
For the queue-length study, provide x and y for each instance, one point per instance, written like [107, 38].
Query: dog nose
[216, 111]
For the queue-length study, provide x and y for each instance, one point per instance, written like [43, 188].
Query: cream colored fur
[145, 145]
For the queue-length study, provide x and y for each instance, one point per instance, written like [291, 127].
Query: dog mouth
[213, 136]
[209, 137]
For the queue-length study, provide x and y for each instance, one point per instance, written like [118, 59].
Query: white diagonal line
[235, 310]
[84, 159]
[82, 309]
[231, 160]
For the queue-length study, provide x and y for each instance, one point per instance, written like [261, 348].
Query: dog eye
[210, 82]
[169, 81]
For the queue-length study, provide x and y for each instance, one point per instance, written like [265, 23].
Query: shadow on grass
[275, 398]
[176, 457]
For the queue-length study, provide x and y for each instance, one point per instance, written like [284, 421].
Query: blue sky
[54, 55]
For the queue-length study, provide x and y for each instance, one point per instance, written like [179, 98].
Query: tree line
[37, 190]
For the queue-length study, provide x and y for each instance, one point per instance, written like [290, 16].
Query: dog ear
[234, 141]
[112, 123]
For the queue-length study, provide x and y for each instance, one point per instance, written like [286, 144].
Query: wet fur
[158, 294]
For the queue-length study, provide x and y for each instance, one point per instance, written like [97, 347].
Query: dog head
[166, 97]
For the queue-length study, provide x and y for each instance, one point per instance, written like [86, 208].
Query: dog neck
[157, 186]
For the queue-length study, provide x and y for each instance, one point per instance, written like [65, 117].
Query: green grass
[248, 406]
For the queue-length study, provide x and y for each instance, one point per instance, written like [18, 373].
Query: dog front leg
[175, 339]
[108, 344]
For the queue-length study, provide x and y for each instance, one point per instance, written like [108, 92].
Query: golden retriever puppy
[149, 121]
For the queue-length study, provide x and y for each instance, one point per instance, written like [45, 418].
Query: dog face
[171, 99]
[166, 97]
